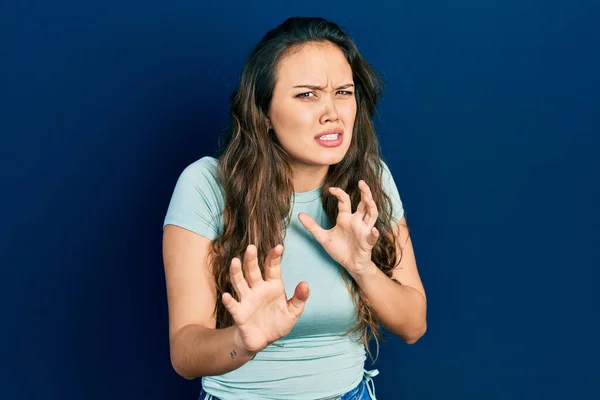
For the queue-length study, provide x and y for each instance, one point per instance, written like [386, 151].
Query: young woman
[284, 255]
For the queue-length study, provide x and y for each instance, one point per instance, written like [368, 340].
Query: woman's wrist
[240, 349]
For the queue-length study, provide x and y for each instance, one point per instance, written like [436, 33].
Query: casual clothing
[365, 390]
[316, 360]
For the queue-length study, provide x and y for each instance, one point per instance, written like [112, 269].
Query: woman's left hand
[354, 235]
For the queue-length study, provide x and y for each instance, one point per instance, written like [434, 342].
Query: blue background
[490, 123]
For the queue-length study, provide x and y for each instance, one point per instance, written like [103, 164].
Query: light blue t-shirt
[316, 359]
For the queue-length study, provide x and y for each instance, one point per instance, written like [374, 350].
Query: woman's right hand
[263, 314]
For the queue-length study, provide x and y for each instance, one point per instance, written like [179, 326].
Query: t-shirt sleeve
[197, 200]
[391, 190]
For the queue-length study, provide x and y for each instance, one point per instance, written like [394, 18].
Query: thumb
[298, 301]
[311, 225]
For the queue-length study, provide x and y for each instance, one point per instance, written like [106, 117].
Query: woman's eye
[312, 94]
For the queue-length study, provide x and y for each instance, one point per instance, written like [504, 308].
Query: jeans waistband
[351, 395]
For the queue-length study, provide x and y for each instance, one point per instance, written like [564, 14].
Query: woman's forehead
[314, 64]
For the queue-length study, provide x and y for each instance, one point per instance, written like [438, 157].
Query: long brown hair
[257, 178]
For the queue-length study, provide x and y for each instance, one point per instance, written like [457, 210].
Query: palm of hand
[263, 314]
[347, 242]
[354, 235]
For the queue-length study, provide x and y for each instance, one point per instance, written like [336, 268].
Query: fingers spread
[344, 204]
[237, 278]
[313, 227]
[298, 301]
[251, 268]
[230, 304]
[273, 263]
[361, 210]
[371, 208]
[372, 237]
[372, 212]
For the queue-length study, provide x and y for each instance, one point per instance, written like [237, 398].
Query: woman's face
[314, 96]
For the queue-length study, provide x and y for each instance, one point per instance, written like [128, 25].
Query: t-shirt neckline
[307, 197]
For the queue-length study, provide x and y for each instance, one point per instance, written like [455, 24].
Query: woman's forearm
[199, 351]
[401, 309]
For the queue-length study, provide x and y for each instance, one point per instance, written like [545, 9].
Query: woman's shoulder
[205, 164]
[204, 169]
[197, 200]
[201, 176]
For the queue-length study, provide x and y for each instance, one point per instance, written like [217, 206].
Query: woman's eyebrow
[315, 87]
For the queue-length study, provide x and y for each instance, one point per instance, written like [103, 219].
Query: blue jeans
[365, 390]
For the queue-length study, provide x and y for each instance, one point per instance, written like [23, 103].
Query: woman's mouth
[330, 139]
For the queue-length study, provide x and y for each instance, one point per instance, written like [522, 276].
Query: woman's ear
[269, 125]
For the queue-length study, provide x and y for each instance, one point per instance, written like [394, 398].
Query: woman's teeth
[329, 137]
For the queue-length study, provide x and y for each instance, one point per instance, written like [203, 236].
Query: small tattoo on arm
[233, 353]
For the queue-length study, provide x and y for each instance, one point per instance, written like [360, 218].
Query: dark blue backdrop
[490, 123]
